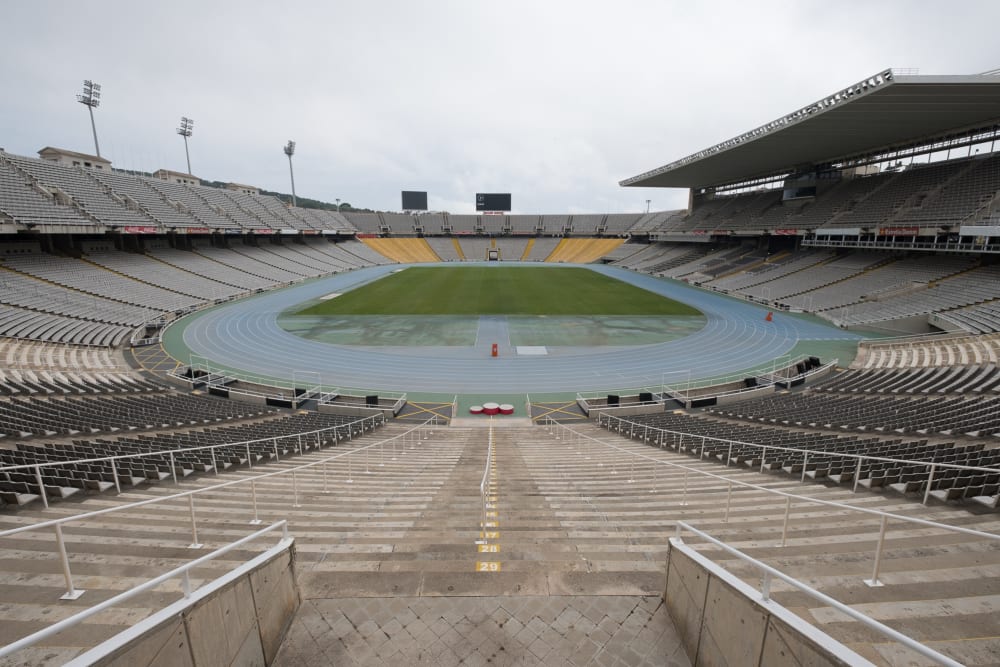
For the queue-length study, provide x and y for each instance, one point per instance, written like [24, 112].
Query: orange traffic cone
[770, 317]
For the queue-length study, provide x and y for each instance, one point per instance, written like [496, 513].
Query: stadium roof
[887, 111]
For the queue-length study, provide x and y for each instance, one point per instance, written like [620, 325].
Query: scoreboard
[492, 201]
[414, 201]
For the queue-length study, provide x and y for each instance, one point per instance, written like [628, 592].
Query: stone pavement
[542, 630]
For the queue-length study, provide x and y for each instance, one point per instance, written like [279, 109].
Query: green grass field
[496, 290]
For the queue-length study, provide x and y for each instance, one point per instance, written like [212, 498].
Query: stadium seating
[155, 457]
[403, 250]
[582, 251]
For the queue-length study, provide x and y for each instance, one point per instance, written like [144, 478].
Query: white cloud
[555, 102]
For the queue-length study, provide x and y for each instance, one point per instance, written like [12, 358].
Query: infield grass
[498, 290]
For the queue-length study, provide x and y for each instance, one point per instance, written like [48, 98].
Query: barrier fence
[768, 573]
[175, 456]
[182, 572]
[484, 489]
[400, 441]
[558, 430]
[678, 439]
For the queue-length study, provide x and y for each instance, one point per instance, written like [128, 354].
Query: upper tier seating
[92, 197]
[23, 203]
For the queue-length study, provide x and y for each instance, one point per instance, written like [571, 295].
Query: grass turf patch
[497, 290]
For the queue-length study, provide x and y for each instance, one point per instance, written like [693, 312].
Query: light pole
[647, 205]
[91, 97]
[290, 151]
[186, 130]
[338, 205]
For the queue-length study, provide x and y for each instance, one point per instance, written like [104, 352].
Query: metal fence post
[729, 500]
[874, 582]
[195, 544]
[71, 592]
[118, 484]
[41, 486]
[930, 480]
[784, 528]
[253, 492]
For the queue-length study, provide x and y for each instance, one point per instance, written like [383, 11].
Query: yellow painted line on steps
[490, 515]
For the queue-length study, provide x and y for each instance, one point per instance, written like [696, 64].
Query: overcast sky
[553, 101]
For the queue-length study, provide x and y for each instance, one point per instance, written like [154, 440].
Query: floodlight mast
[186, 130]
[91, 97]
[290, 151]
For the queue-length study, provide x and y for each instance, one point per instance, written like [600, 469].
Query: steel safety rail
[420, 431]
[484, 488]
[884, 517]
[933, 466]
[182, 571]
[769, 573]
[376, 421]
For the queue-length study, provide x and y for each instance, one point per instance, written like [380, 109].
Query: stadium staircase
[527, 249]
[581, 513]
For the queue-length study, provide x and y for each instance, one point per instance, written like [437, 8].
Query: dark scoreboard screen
[414, 201]
[492, 201]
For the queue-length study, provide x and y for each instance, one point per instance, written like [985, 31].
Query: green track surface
[496, 290]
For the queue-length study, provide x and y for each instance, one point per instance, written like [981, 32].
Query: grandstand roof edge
[857, 120]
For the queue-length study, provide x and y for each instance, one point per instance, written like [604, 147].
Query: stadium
[758, 430]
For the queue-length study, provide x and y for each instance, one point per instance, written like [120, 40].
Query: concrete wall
[723, 621]
[241, 621]
[352, 410]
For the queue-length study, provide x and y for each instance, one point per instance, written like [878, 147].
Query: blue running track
[245, 335]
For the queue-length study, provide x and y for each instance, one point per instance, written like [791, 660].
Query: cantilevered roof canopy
[885, 112]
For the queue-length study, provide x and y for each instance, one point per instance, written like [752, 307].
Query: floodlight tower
[290, 151]
[91, 97]
[647, 205]
[186, 130]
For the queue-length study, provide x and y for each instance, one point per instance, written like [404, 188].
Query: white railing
[667, 390]
[411, 436]
[768, 573]
[182, 572]
[556, 429]
[218, 376]
[484, 490]
[358, 426]
[678, 437]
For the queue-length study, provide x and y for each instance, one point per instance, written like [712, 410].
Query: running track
[245, 335]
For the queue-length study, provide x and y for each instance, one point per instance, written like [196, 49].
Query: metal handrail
[181, 571]
[484, 486]
[215, 487]
[72, 593]
[770, 572]
[805, 452]
[376, 420]
[784, 494]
